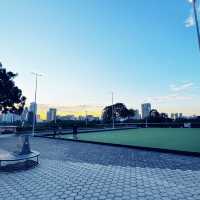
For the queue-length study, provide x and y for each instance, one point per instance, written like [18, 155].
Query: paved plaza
[71, 170]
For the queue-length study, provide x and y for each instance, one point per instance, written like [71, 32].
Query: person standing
[75, 132]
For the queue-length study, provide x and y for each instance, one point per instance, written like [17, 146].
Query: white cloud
[170, 97]
[181, 87]
[177, 92]
[189, 22]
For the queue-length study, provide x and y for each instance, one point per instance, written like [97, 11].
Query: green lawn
[165, 138]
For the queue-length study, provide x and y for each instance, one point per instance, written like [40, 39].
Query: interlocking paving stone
[70, 170]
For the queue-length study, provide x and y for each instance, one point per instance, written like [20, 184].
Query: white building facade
[146, 109]
[51, 114]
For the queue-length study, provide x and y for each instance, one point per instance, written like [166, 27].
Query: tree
[157, 117]
[132, 112]
[107, 114]
[163, 115]
[120, 111]
[154, 114]
[11, 98]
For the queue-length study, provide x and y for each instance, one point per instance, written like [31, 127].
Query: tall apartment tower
[146, 108]
[24, 115]
[32, 112]
[51, 114]
[33, 108]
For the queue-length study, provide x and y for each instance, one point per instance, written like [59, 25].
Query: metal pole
[194, 2]
[35, 104]
[86, 119]
[113, 120]
[35, 101]
[55, 120]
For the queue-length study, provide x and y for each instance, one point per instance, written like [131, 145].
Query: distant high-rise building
[172, 116]
[67, 117]
[176, 115]
[1, 116]
[137, 114]
[38, 117]
[32, 112]
[8, 117]
[33, 107]
[180, 115]
[81, 118]
[146, 108]
[30, 117]
[24, 115]
[17, 118]
[91, 118]
[51, 114]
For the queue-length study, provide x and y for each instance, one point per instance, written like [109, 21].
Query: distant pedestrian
[75, 132]
[55, 129]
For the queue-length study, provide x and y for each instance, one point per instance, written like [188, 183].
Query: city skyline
[85, 50]
[68, 113]
[80, 110]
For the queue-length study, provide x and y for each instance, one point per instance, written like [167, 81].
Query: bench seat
[6, 156]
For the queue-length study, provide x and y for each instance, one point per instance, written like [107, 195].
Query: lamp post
[194, 3]
[35, 101]
[113, 120]
[86, 119]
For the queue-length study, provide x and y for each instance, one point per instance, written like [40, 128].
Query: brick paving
[70, 170]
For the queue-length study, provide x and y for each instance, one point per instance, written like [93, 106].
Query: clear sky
[142, 50]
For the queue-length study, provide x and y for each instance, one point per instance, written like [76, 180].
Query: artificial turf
[182, 139]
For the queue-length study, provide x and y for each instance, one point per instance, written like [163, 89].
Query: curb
[177, 152]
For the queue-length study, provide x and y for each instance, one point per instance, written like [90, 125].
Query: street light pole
[146, 123]
[86, 118]
[35, 101]
[113, 120]
[194, 3]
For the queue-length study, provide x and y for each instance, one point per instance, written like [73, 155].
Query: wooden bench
[6, 156]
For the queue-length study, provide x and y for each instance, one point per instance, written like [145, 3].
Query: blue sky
[141, 50]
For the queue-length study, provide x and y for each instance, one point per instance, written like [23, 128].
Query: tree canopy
[11, 98]
[156, 117]
[120, 111]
